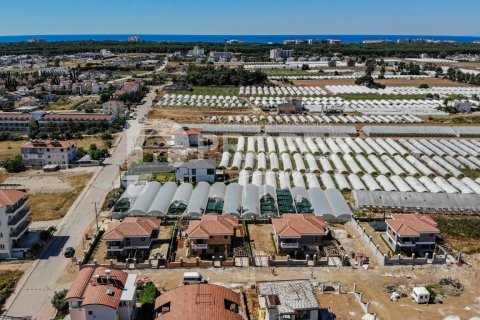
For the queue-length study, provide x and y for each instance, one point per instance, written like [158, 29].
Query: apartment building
[39, 153]
[280, 54]
[14, 222]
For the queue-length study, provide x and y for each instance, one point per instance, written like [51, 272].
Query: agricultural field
[222, 91]
[462, 232]
[290, 72]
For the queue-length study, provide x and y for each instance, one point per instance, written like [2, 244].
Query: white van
[193, 278]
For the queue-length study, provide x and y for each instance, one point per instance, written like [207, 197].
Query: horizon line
[239, 34]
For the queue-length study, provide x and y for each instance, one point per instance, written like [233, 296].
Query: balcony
[16, 206]
[20, 216]
[289, 245]
[20, 230]
[199, 246]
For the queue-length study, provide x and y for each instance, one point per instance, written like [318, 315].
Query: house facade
[299, 232]
[132, 236]
[100, 293]
[14, 222]
[411, 233]
[196, 170]
[39, 153]
[115, 108]
[213, 234]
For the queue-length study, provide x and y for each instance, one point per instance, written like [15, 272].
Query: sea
[222, 38]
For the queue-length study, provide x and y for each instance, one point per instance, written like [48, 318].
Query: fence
[383, 259]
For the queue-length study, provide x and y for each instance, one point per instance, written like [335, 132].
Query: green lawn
[380, 97]
[222, 91]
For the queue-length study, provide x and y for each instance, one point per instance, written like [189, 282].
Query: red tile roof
[213, 225]
[15, 116]
[91, 286]
[76, 116]
[297, 225]
[412, 225]
[9, 197]
[132, 227]
[198, 302]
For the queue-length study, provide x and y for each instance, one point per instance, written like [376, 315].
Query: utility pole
[96, 214]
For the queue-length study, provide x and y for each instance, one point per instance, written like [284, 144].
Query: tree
[305, 67]
[56, 62]
[59, 302]
[424, 86]
[147, 157]
[106, 136]
[15, 164]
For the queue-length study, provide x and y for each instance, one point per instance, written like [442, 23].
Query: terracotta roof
[132, 227]
[15, 116]
[412, 225]
[9, 197]
[93, 290]
[198, 302]
[212, 225]
[297, 225]
[47, 144]
[76, 116]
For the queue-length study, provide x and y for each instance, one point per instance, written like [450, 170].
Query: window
[194, 171]
[142, 239]
[1, 234]
[90, 312]
[2, 247]
[210, 171]
[225, 237]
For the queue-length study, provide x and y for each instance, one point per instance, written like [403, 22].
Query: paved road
[37, 287]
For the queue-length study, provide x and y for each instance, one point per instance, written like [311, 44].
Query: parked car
[193, 278]
[69, 252]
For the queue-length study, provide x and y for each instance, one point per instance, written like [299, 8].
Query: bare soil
[433, 82]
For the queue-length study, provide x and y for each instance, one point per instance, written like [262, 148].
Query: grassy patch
[52, 206]
[164, 177]
[456, 119]
[474, 174]
[463, 233]
[8, 280]
[10, 148]
[380, 97]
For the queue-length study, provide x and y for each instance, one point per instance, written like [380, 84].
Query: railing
[20, 229]
[114, 247]
[289, 245]
[199, 246]
[21, 202]
[18, 217]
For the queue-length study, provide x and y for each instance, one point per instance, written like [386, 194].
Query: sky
[241, 17]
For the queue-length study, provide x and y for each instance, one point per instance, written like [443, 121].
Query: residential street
[37, 287]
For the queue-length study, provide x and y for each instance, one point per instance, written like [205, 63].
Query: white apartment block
[39, 153]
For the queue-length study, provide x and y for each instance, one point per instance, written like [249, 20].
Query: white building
[195, 171]
[183, 138]
[39, 153]
[280, 53]
[221, 54]
[13, 223]
[115, 108]
[99, 293]
[196, 52]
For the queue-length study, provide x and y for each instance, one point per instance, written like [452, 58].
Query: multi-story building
[115, 108]
[213, 234]
[280, 54]
[196, 52]
[39, 153]
[221, 54]
[15, 122]
[299, 232]
[196, 170]
[100, 293]
[134, 235]
[411, 233]
[14, 222]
